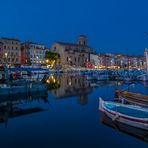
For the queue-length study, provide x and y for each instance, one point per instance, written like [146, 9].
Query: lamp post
[37, 59]
[6, 55]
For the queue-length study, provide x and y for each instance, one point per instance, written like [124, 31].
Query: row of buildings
[116, 61]
[79, 54]
[13, 52]
[82, 55]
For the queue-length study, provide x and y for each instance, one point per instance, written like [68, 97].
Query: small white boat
[126, 129]
[128, 114]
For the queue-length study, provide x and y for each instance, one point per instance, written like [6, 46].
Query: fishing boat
[19, 86]
[126, 129]
[143, 77]
[131, 97]
[131, 115]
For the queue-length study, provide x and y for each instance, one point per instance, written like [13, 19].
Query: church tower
[82, 40]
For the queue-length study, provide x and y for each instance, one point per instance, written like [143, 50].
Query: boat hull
[120, 127]
[130, 97]
[129, 120]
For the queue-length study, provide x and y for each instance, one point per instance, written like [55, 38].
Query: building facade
[10, 51]
[73, 54]
[116, 61]
[146, 55]
[1, 52]
[95, 60]
[32, 53]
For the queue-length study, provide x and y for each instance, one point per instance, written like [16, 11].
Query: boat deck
[127, 111]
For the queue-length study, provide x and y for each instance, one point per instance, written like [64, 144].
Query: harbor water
[66, 116]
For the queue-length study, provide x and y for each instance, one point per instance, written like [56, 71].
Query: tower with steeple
[82, 40]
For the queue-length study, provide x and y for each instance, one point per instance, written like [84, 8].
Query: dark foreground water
[67, 116]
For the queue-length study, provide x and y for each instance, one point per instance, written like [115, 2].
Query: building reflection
[20, 105]
[72, 85]
[129, 130]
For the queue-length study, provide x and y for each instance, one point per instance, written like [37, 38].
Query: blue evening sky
[111, 25]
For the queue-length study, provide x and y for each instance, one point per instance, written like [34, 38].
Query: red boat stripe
[136, 120]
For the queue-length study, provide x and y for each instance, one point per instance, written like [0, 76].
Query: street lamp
[6, 54]
[37, 59]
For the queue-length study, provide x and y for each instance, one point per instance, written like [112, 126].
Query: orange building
[22, 60]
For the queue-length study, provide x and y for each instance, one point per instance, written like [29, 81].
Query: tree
[51, 57]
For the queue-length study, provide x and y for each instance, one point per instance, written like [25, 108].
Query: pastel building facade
[10, 51]
[1, 52]
[73, 54]
[146, 56]
[109, 60]
[32, 53]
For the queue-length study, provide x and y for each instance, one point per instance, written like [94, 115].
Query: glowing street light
[6, 55]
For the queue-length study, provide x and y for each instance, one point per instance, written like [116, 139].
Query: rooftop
[12, 39]
[72, 44]
[32, 43]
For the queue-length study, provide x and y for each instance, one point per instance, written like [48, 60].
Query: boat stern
[101, 104]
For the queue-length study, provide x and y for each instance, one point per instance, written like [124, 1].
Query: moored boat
[126, 129]
[131, 97]
[128, 114]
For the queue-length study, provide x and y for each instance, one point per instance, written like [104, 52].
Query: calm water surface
[67, 116]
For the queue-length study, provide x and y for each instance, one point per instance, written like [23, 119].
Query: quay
[19, 85]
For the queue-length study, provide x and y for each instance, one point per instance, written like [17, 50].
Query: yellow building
[11, 51]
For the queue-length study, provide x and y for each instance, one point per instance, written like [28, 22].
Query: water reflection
[65, 122]
[70, 85]
[118, 126]
[12, 106]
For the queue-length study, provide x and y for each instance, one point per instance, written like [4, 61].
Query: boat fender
[115, 117]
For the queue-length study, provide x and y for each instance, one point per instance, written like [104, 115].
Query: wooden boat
[131, 97]
[126, 129]
[128, 114]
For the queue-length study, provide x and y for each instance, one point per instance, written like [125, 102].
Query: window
[67, 59]
[78, 59]
[75, 81]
